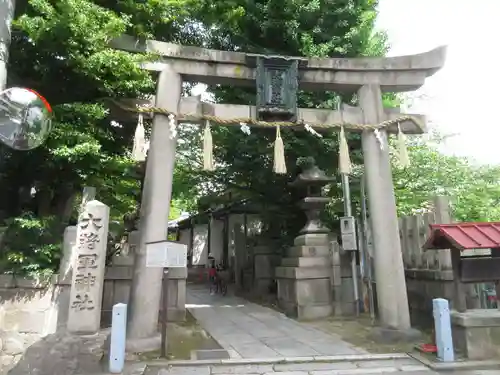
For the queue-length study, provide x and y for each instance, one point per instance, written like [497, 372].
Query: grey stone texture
[402, 365]
[304, 278]
[117, 286]
[247, 330]
[89, 264]
[394, 74]
[12, 346]
[265, 261]
[210, 354]
[296, 287]
[62, 354]
[476, 333]
[145, 293]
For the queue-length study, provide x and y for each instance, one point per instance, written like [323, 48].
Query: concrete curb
[458, 365]
[278, 360]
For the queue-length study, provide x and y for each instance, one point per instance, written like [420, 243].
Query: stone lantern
[312, 180]
[304, 287]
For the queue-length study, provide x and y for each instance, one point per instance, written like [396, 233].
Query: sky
[460, 99]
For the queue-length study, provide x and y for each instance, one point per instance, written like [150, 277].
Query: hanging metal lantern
[277, 84]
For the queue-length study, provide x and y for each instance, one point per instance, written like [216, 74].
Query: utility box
[348, 233]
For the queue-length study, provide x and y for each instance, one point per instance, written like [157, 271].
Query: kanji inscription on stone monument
[88, 275]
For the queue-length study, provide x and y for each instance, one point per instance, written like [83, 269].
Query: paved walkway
[248, 330]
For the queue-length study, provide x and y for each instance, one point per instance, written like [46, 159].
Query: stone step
[309, 251]
[323, 365]
[306, 262]
[323, 272]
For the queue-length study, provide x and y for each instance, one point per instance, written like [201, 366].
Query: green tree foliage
[474, 190]
[288, 27]
[60, 48]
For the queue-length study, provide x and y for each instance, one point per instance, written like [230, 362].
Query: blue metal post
[118, 338]
[442, 326]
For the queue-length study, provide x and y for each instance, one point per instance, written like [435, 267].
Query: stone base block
[306, 312]
[305, 262]
[309, 251]
[304, 298]
[304, 272]
[312, 239]
[476, 333]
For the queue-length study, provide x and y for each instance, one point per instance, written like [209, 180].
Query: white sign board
[166, 254]
[348, 233]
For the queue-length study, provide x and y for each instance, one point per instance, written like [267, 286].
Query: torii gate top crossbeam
[195, 64]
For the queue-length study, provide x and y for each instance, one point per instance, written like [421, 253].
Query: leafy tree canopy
[474, 190]
[60, 48]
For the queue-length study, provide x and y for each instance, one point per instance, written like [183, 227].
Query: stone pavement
[248, 330]
[350, 365]
[340, 369]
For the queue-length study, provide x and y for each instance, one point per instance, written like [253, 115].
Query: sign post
[165, 254]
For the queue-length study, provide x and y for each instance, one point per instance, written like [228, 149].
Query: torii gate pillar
[142, 333]
[392, 299]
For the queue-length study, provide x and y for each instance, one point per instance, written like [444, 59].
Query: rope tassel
[139, 148]
[279, 154]
[345, 165]
[404, 160]
[208, 157]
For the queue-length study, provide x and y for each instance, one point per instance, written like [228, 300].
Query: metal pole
[354, 268]
[7, 13]
[164, 315]
[364, 220]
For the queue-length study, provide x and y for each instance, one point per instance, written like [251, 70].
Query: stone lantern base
[304, 278]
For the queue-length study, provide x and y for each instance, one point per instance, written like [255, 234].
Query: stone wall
[27, 313]
[29, 309]
[118, 282]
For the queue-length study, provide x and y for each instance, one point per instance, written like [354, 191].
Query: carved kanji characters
[86, 261]
[84, 281]
[82, 302]
[91, 222]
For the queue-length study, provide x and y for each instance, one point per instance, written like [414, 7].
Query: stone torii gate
[368, 77]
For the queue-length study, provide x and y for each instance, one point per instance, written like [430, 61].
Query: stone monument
[87, 281]
[67, 260]
[304, 276]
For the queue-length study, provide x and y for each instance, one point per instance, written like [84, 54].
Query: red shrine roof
[464, 236]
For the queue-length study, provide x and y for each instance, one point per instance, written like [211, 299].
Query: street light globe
[25, 118]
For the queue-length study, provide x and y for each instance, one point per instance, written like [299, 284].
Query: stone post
[87, 282]
[388, 259]
[443, 216]
[67, 261]
[265, 260]
[155, 208]
[88, 194]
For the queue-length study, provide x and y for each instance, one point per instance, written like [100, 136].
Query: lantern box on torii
[476, 332]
